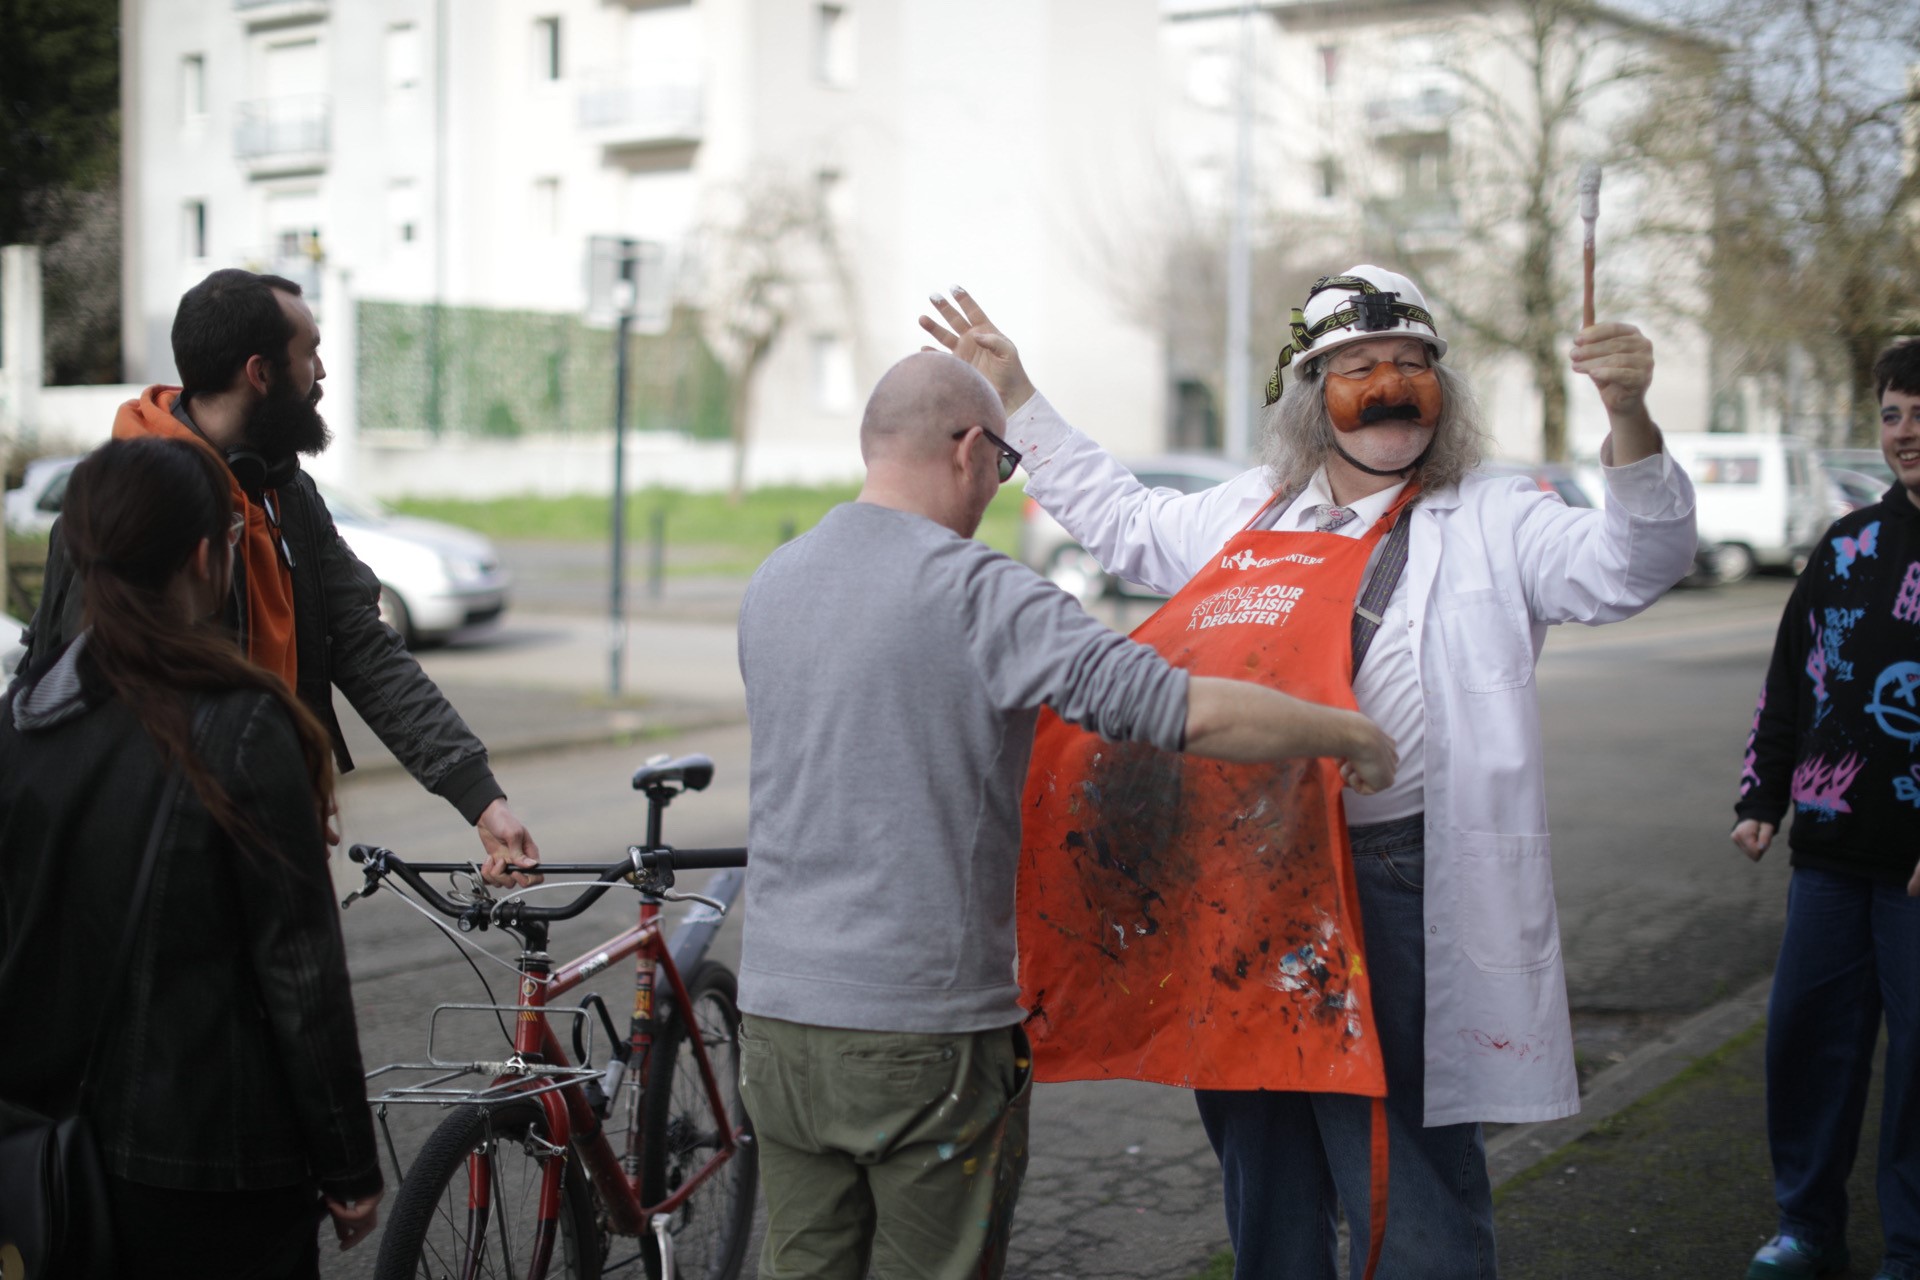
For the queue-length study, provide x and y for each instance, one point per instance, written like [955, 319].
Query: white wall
[971, 140]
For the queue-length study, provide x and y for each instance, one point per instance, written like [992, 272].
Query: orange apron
[1194, 922]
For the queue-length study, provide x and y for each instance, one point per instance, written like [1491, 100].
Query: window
[193, 229]
[546, 206]
[546, 49]
[833, 383]
[403, 57]
[1329, 66]
[833, 45]
[835, 197]
[1423, 169]
[403, 211]
[1328, 170]
[193, 86]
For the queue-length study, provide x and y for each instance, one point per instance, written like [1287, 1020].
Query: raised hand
[1619, 359]
[971, 336]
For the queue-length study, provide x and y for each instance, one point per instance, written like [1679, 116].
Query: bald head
[919, 406]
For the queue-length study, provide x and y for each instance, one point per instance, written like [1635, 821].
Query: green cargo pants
[895, 1150]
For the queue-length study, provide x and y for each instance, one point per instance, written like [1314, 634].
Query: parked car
[33, 507]
[10, 650]
[1049, 549]
[1870, 463]
[1852, 490]
[1554, 477]
[435, 579]
[1761, 500]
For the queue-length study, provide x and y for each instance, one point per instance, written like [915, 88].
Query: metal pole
[657, 554]
[435, 318]
[1239, 253]
[616, 602]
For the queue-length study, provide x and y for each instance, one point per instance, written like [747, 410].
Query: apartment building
[1397, 131]
[463, 152]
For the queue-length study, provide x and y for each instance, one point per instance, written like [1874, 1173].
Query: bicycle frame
[571, 1120]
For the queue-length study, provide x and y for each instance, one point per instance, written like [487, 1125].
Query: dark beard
[286, 423]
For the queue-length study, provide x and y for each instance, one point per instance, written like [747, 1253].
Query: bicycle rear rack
[509, 1077]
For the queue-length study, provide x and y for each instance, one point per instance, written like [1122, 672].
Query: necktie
[1327, 517]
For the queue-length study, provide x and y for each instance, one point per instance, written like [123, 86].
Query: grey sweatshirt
[894, 671]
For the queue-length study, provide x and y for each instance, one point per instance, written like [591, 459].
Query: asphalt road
[1645, 723]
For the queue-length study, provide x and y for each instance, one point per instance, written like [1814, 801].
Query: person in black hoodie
[1837, 737]
[227, 1100]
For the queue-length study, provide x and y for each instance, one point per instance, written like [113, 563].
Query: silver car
[10, 650]
[435, 579]
[1048, 548]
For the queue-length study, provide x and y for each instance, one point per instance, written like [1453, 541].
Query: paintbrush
[1589, 214]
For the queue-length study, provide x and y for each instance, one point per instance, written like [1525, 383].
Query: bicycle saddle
[692, 773]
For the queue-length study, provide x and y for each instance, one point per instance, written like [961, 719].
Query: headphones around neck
[256, 473]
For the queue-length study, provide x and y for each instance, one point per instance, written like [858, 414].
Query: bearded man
[1435, 624]
[303, 605]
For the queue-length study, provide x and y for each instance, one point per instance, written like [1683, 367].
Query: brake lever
[715, 904]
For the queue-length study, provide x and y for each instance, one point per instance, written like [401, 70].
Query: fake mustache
[1389, 413]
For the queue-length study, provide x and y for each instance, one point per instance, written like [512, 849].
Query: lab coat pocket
[1504, 902]
[1487, 647]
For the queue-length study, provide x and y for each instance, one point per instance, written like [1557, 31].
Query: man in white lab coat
[1452, 864]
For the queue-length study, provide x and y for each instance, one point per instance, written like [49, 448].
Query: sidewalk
[1675, 1182]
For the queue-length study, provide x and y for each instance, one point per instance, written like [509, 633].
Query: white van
[1762, 500]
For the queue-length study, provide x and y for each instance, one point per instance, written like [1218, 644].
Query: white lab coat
[1492, 564]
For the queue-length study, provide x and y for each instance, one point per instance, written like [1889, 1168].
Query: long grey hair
[1298, 433]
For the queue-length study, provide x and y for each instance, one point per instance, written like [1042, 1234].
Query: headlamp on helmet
[1366, 302]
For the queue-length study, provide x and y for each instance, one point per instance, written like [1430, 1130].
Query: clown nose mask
[1386, 396]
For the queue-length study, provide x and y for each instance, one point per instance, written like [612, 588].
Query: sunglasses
[1009, 457]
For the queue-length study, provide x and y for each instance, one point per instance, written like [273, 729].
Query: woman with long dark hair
[226, 1096]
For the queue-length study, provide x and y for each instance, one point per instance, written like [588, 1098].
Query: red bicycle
[523, 1179]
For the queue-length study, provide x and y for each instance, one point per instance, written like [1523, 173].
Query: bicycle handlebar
[650, 868]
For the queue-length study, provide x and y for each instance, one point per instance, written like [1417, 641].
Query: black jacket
[338, 640]
[1837, 732]
[230, 1060]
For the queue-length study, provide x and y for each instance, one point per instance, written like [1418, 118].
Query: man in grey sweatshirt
[894, 670]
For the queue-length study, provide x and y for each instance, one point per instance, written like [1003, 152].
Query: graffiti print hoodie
[1837, 732]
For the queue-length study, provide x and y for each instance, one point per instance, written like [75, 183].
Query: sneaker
[1791, 1258]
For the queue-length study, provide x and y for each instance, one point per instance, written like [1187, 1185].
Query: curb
[617, 726]
[1520, 1148]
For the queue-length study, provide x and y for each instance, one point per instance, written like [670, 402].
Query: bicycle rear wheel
[710, 1230]
[432, 1232]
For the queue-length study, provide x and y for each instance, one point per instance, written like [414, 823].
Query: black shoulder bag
[55, 1220]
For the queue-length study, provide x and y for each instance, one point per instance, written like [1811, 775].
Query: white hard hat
[1362, 303]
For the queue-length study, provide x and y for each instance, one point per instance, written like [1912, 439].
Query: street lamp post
[1239, 253]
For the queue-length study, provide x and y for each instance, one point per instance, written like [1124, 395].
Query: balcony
[630, 111]
[284, 135]
[272, 13]
[1424, 223]
[1426, 112]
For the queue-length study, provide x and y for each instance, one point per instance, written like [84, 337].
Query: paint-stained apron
[1194, 922]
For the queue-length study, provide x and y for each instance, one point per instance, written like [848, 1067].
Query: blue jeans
[1289, 1158]
[1851, 951]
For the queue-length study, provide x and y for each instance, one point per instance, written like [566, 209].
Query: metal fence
[480, 372]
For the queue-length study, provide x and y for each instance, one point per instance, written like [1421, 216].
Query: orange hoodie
[269, 582]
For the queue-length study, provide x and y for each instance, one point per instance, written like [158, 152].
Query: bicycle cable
[462, 946]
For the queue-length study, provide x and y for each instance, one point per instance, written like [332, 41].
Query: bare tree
[770, 256]
[1537, 80]
[1814, 186]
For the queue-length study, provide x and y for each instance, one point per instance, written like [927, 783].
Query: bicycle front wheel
[710, 1229]
[469, 1206]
